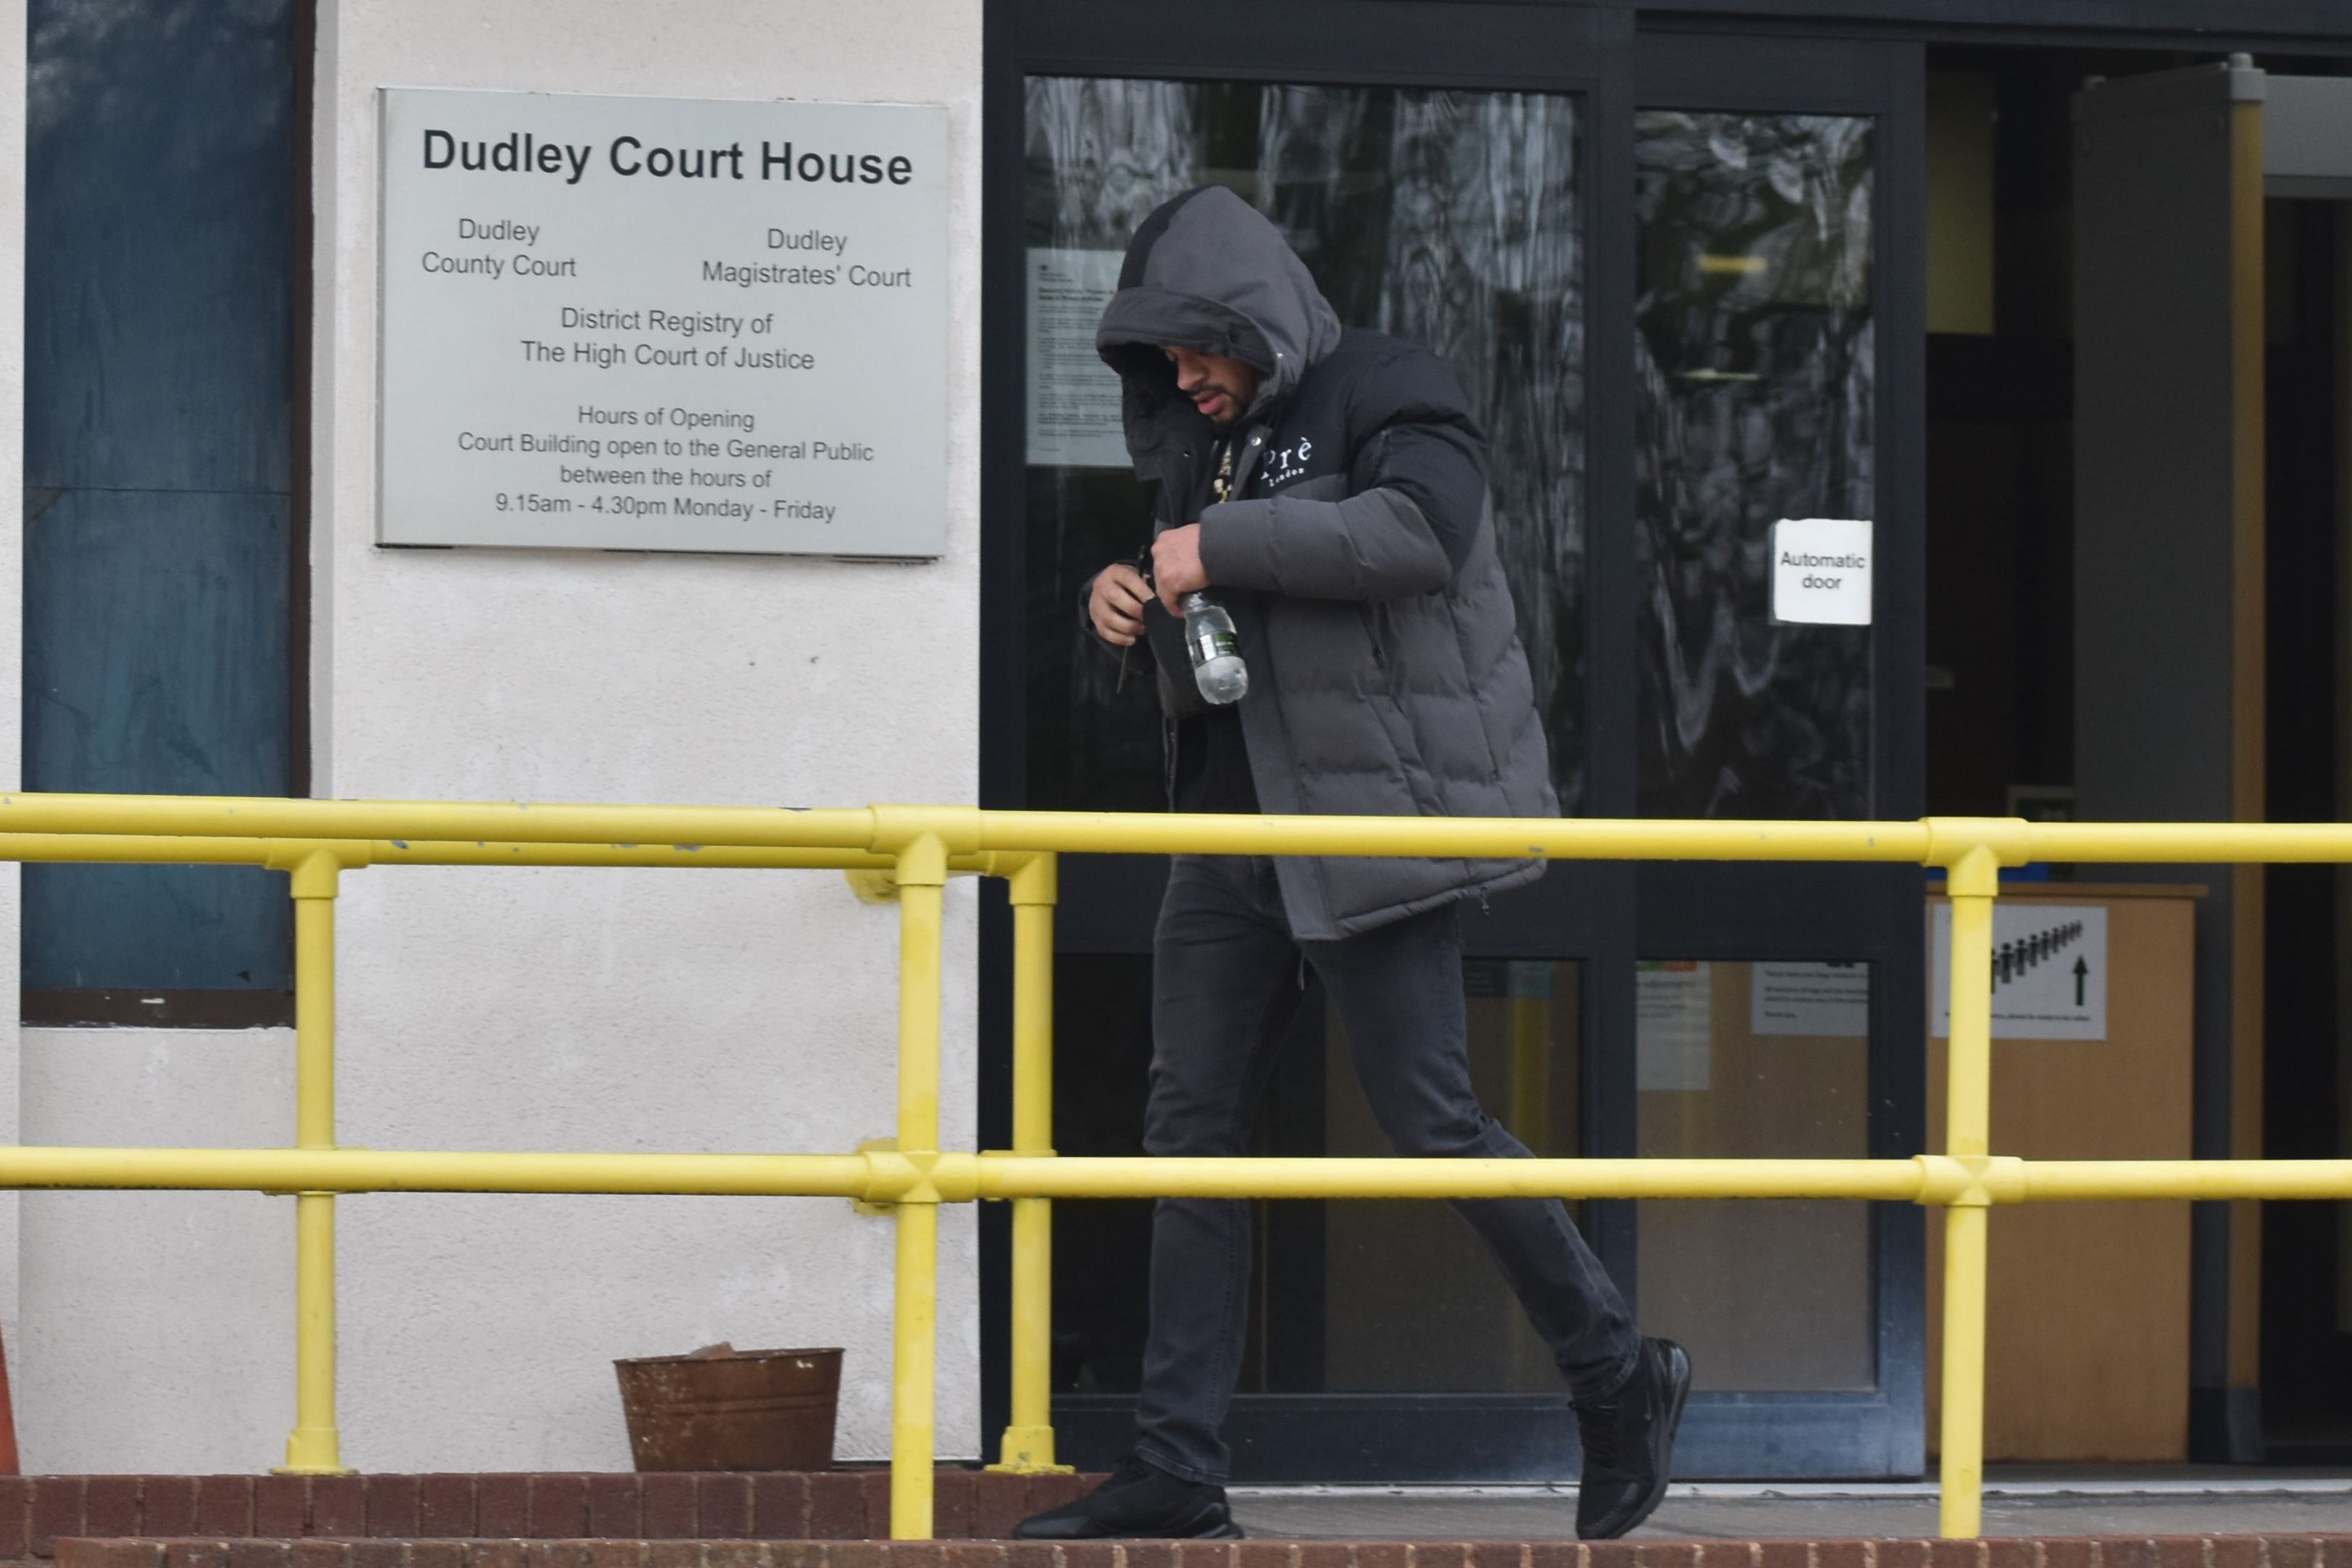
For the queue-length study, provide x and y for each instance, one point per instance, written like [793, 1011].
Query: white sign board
[640, 324]
[2049, 972]
[1673, 1026]
[1823, 1001]
[1820, 571]
[1073, 412]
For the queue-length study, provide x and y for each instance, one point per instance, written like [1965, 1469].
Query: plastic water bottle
[1216, 652]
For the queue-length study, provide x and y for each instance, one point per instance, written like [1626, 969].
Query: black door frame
[1578, 910]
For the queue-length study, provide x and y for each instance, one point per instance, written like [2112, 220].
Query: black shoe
[1629, 1443]
[1138, 1501]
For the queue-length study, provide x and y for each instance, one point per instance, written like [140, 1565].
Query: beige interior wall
[2088, 1304]
[1764, 1294]
[1413, 1300]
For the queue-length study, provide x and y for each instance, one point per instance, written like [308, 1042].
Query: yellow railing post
[315, 1446]
[922, 874]
[1028, 1447]
[1974, 882]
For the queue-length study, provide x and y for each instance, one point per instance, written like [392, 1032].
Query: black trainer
[1629, 1443]
[1138, 1501]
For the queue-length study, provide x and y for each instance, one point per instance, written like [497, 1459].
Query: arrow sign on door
[2048, 971]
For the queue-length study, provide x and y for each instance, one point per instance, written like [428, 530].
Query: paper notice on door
[1073, 420]
[2049, 972]
[1821, 1001]
[1674, 1025]
[1820, 571]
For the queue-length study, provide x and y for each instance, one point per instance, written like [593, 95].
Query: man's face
[1219, 387]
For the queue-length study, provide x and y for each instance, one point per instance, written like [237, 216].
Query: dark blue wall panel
[159, 637]
[159, 227]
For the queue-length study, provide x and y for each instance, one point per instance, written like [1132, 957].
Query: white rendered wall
[158, 1326]
[516, 1009]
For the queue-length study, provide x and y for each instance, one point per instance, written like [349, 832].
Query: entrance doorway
[1677, 275]
[2136, 545]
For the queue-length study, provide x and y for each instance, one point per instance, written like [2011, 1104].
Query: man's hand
[1176, 565]
[1116, 604]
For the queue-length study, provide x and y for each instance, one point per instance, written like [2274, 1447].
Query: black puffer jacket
[1386, 677]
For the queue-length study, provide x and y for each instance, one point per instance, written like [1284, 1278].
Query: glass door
[1756, 378]
[1669, 307]
[1777, 344]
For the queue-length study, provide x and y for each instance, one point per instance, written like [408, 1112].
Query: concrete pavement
[2140, 1502]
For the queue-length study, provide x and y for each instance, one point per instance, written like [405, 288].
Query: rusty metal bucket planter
[724, 1409]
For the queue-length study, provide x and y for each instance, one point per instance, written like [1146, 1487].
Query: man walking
[1329, 488]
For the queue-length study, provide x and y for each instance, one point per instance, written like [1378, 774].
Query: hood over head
[1207, 271]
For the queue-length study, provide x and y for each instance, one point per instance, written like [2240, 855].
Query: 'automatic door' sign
[1820, 571]
[2049, 972]
[641, 323]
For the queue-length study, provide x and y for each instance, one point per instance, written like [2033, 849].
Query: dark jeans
[1226, 985]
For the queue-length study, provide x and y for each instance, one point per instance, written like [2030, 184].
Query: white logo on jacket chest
[1284, 464]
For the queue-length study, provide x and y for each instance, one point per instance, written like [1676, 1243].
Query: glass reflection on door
[1755, 399]
[1449, 218]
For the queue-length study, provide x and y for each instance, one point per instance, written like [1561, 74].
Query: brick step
[852, 1503]
[2055, 1552]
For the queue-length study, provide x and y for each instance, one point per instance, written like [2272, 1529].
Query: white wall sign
[1074, 418]
[638, 323]
[1820, 571]
[1673, 1026]
[2049, 972]
[1824, 1001]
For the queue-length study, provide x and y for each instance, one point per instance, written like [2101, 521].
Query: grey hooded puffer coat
[1358, 561]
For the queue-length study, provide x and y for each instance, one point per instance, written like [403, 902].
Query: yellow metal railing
[909, 852]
